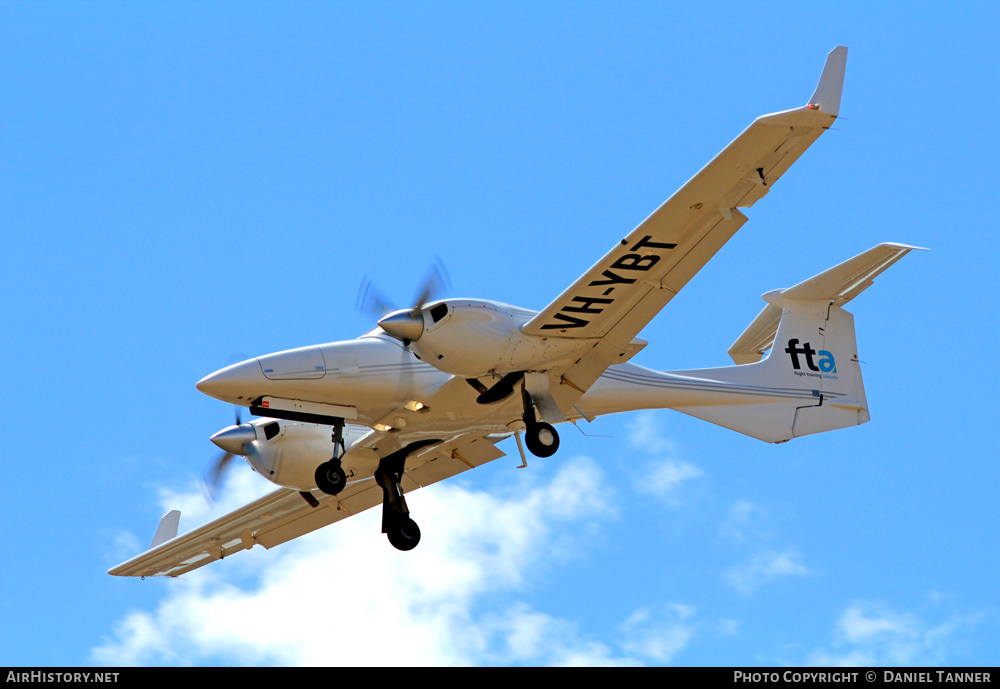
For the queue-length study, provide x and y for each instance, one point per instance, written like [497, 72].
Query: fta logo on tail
[826, 363]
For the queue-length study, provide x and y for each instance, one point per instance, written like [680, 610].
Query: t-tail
[808, 382]
[813, 349]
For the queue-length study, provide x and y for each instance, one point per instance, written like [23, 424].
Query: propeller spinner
[404, 324]
[233, 440]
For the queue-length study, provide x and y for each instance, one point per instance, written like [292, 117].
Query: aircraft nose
[235, 384]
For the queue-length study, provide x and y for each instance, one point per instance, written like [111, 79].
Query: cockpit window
[439, 312]
[272, 429]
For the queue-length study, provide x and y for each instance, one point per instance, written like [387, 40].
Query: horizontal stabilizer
[847, 280]
[836, 286]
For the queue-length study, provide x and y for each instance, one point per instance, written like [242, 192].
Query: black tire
[541, 439]
[330, 477]
[404, 534]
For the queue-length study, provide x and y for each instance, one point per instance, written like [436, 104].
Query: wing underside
[614, 300]
[286, 514]
[666, 250]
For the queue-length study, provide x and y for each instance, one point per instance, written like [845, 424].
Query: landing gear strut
[330, 476]
[540, 437]
[402, 531]
[501, 390]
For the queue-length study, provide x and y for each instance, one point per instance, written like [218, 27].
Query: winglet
[826, 98]
[167, 528]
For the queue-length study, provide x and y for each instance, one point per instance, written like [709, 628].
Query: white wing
[614, 300]
[286, 514]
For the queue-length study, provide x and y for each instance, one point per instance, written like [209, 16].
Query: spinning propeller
[233, 440]
[403, 324]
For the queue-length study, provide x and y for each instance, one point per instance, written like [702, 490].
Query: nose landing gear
[330, 476]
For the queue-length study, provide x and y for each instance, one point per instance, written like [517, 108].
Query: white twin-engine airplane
[428, 394]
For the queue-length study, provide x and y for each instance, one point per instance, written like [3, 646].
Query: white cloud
[241, 485]
[120, 545]
[343, 596]
[728, 627]
[870, 633]
[746, 521]
[527, 636]
[860, 624]
[644, 433]
[663, 476]
[765, 567]
[659, 637]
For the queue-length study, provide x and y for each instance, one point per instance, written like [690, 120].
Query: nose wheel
[330, 477]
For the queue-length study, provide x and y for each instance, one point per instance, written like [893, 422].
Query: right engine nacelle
[473, 338]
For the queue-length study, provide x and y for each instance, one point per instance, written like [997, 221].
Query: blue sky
[182, 184]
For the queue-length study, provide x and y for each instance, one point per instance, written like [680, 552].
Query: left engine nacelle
[288, 452]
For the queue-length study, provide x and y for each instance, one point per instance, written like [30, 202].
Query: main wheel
[404, 534]
[541, 439]
[330, 477]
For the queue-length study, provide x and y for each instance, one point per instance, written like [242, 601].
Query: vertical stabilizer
[813, 359]
[810, 381]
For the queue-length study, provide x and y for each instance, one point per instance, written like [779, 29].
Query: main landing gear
[540, 437]
[330, 476]
[402, 531]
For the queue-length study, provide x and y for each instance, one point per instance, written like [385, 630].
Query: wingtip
[826, 97]
[167, 528]
[907, 247]
[119, 570]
